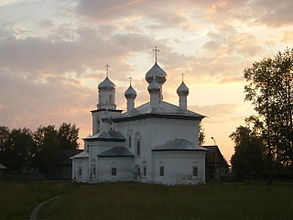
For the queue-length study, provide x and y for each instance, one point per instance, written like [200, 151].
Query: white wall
[123, 166]
[153, 132]
[178, 167]
[83, 164]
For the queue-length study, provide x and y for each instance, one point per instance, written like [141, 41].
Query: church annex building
[156, 142]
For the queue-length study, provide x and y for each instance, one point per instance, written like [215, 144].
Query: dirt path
[34, 213]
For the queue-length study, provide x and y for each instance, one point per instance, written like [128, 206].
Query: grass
[18, 199]
[146, 201]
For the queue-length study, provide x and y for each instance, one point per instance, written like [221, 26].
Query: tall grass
[144, 201]
[18, 199]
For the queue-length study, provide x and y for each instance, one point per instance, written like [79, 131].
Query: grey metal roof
[182, 89]
[106, 84]
[156, 72]
[116, 152]
[179, 144]
[130, 92]
[2, 167]
[82, 154]
[107, 136]
[164, 108]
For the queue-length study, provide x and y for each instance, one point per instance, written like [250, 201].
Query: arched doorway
[136, 173]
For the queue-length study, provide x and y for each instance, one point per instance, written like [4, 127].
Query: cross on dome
[130, 78]
[107, 69]
[156, 51]
[182, 76]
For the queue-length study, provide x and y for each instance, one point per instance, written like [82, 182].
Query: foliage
[21, 148]
[270, 89]
[202, 135]
[248, 159]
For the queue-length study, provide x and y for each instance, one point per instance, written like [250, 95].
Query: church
[156, 142]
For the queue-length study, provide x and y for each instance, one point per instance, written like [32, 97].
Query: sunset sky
[53, 55]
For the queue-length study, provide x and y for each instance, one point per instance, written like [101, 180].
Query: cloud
[258, 12]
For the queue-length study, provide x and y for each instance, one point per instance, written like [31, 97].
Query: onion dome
[156, 72]
[130, 92]
[107, 84]
[154, 87]
[182, 89]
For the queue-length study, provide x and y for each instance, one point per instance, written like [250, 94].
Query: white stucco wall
[83, 164]
[153, 132]
[178, 167]
[123, 167]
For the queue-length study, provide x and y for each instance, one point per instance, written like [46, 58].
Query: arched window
[194, 169]
[129, 141]
[110, 99]
[138, 143]
[114, 169]
[162, 169]
[79, 169]
[144, 166]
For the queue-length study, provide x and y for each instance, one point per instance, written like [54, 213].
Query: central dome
[157, 73]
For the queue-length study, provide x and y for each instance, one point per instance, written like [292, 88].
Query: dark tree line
[21, 147]
[270, 90]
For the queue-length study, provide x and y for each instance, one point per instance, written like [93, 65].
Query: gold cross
[107, 69]
[156, 51]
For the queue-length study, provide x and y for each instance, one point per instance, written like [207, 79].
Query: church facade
[156, 142]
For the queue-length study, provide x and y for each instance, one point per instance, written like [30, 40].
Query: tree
[4, 143]
[47, 141]
[202, 135]
[270, 88]
[17, 147]
[248, 159]
[68, 136]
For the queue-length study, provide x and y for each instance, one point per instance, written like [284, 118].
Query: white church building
[156, 142]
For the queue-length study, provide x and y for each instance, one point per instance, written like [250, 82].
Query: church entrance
[136, 173]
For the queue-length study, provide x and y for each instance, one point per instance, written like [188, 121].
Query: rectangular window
[162, 171]
[114, 171]
[129, 141]
[144, 171]
[138, 148]
[93, 170]
[195, 171]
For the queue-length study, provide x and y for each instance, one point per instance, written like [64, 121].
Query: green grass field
[146, 201]
[18, 199]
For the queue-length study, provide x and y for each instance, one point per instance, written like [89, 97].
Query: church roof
[179, 144]
[106, 84]
[82, 154]
[163, 110]
[116, 152]
[107, 136]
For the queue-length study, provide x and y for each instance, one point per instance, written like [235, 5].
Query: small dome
[154, 87]
[183, 89]
[156, 72]
[130, 92]
[106, 84]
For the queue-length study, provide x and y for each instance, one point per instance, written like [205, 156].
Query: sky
[53, 55]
